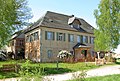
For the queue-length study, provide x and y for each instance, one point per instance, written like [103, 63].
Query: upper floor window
[31, 37]
[79, 38]
[49, 35]
[70, 37]
[36, 36]
[12, 42]
[91, 40]
[60, 36]
[21, 42]
[85, 39]
[28, 38]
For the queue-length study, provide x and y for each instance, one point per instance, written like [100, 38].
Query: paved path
[105, 70]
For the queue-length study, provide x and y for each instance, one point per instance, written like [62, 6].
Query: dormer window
[74, 22]
[75, 25]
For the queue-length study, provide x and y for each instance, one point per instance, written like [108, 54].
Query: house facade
[17, 45]
[55, 32]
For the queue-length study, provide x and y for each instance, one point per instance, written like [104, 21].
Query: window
[85, 39]
[31, 37]
[28, 38]
[75, 25]
[36, 37]
[70, 37]
[13, 43]
[49, 35]
[49, 52]
[21, 42]
[79, 38]
[60, 36]
[91, 40]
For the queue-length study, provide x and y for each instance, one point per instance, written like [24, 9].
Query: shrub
[27, 70]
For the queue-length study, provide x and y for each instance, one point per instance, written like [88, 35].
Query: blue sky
[80, 8]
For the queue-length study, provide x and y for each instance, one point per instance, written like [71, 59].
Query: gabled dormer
[74, 22]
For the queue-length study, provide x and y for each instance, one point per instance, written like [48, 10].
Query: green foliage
[108, 27]
[14, 14]
[29, 69]
[81, 76]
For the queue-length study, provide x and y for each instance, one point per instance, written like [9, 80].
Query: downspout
[40, 45]
[74, 55]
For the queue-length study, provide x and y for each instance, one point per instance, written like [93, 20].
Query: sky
[79, 8]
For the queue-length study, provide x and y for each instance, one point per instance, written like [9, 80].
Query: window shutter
[57, 35]
[86, 39]
[64, 36]
[68, 37]
[90, 40]
[53, 36]
[45, 35]
[81, 39]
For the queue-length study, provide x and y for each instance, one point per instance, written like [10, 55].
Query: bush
[27, 70]
[81, 76]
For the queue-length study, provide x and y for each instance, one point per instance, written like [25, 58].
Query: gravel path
[105, 70]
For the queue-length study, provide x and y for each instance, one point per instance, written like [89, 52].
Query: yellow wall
[43, 45]
[56, 46]
[32, 49]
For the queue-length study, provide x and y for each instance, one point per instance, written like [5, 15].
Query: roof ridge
[58, 13]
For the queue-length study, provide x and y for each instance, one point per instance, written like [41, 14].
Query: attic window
[75, 25]
[50, 20]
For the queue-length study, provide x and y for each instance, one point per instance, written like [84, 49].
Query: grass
[49, 68]
[115, 77]
[118, 61]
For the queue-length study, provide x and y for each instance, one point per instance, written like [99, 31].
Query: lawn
[47, 68]
[118, 61]
[115, 77]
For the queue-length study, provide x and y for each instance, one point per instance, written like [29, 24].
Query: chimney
[72, 15]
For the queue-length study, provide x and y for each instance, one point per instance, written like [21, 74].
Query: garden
[29, 68]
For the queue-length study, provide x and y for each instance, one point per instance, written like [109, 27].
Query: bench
[10, 68]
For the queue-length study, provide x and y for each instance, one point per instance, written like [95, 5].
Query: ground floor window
[49, 53]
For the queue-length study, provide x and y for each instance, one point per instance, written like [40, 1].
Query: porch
[82, 53]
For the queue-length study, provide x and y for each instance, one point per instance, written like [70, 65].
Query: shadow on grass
[117, 63]
[48, 71]
[8, 75]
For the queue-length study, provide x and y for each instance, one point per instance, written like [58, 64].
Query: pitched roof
[79, 45]
[60, 21]
[16, 34]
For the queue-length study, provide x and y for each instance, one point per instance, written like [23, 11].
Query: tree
[63, 54]
[108, 25]
[14, 14]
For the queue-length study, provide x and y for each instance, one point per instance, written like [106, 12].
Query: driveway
[102, 71]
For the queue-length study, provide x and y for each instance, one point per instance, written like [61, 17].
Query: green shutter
[45, 35]
[57, 35]
[87, 39]
[68, 37]
[53, 36]
[64, 36]
[90, 40]
[81, 39]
